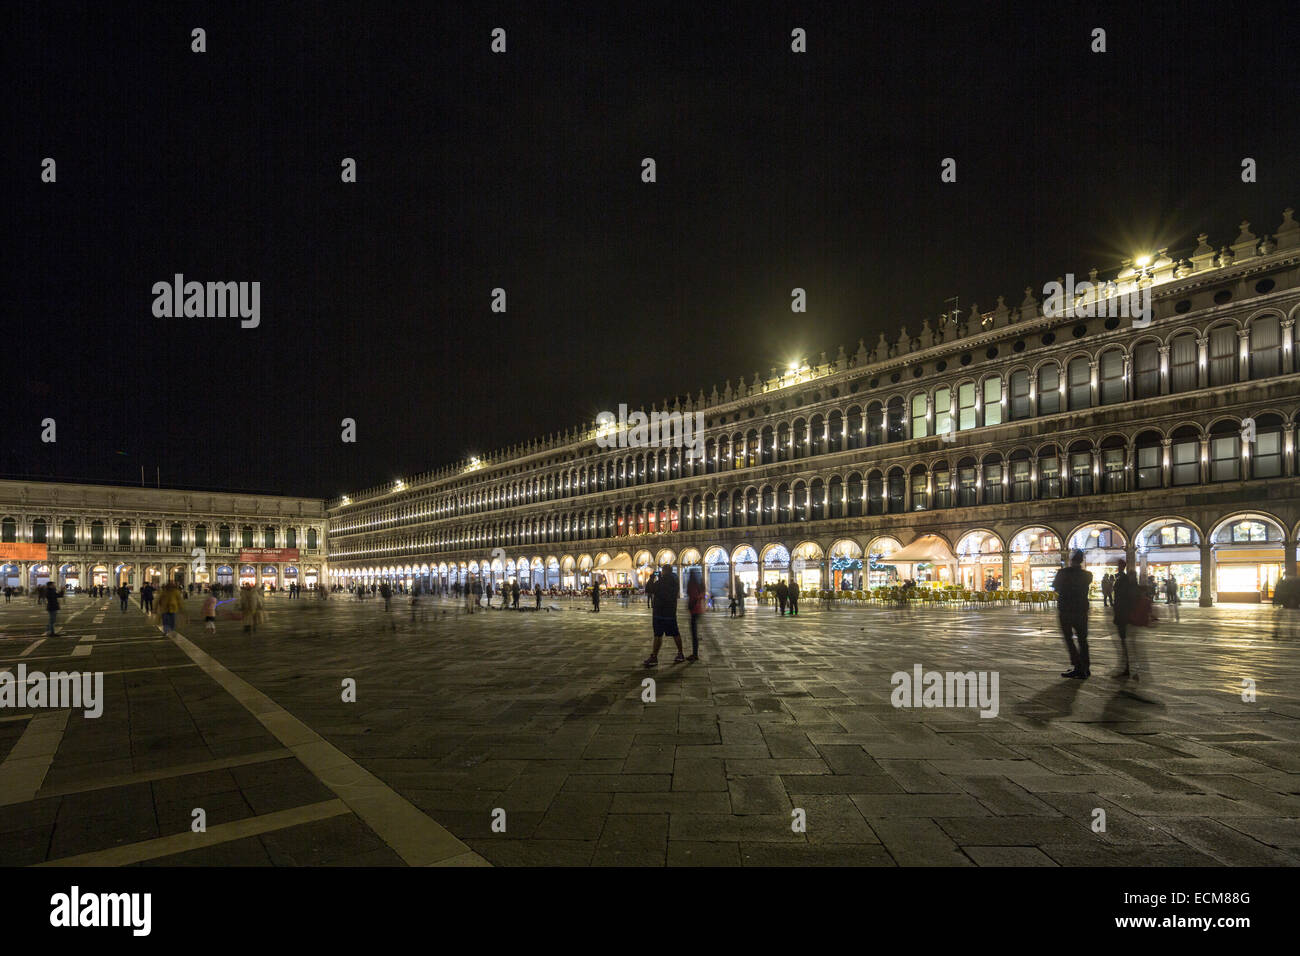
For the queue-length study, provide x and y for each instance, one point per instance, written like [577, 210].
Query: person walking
[782, 594]
[250, 607]
[386, 593]
[1071, 586]
[696, 601]
[146, 597]
[52, 595]
[792, 598]
[123, 595]
[514, 594]
[663, 612]
[595, 595]
[1124, 597]
[1107, 589]
[171, 599]
[210, 613]
[537, 594]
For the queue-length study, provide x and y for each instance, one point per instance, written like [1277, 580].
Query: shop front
[1035, 559]
[247, 576]
[99, 576]
[225, 575]
[1248, 559]
[568, 580]
[979, 561]
[806, 566]
[1170, 548]
[70, 577]
[776, 565]
[927, 560]
[745, 561]
[881, 571]
[1102, 546]
[717, 573]
[846, 565]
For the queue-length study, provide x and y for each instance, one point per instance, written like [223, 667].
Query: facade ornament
[1029, 307]
[1288, 234]
[1243, 247]
[860, 357]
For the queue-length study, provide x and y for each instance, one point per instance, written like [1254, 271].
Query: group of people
[1124, 595]
[1168, 587]
[785, 597]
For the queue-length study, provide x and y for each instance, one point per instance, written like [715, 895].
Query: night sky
[523, 171]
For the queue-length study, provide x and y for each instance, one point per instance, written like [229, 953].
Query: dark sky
[522, 171]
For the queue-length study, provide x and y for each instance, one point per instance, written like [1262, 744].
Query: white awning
[928, 548]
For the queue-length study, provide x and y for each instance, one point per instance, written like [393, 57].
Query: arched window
[834, 431]
[993, 400]
[1147, 453]
[783, 504]
[1049, 472]
[1020, 407]
[966, 406]
[920, 493]
[1081, 468]
[817, 499]
[1266, 453]
[992, 483]
[1049, 389]
[896, 488]
[767, 441]
[919, 417]
[1225, 452]
[896, 418]
[817, 435]
[1185, 456]
[943, 411]
[290, 537]
[854, 424]
[967, 478]
[875, 424]
[942, 484]
[1079, 385]
[1113, 454]
[1223, 355]
[875, 493]
[835, 498]
[1146, 370]
[223, 537]
[1265, 346]
[724, 509]
[1182, 362]
[855, 494]
[1110, 375]
[1022, 484]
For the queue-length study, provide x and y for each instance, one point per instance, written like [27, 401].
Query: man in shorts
[663, 610]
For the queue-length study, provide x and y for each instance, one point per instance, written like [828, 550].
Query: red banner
[257, 555]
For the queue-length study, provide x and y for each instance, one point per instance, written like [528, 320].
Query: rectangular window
[1049, 477]
[150, 536]
[966, 487]
[943, 489]
[942, 411]
[97, 534]
[201, 537]
[966, 406]
[223, 538]
[1049, 390]
[1182, 364]
[1146, 371]
[920, 499]
[176, 534]
[1020, 407]
[1021, 481]
[1186, 470]
[993, 401]
[993, 484]
[246, 538]
[69, 534]
[1265, 347]
[918, 416]
[1112, 469]
[1268, 455]
[1081, 473]
[1080, 384]
[896, 491]
[1111, 374]
[1225, 458]
[1148, 467]
[1223, 355]
[124, 536]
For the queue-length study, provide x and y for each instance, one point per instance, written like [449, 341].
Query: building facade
[80, 535]
[977, 450]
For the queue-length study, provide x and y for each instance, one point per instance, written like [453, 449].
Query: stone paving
[541, 715]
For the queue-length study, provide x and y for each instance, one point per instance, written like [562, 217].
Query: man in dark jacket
[663, 610]
[52, 604]
[1124, 598]
[1071, 586]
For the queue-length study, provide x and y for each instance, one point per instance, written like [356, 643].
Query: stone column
[1288, 350]
[1207, 574]
[1164, 369]
[1243, 355]
[1202, 361]
[1288, 553]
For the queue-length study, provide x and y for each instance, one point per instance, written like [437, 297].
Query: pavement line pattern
[222, 833]
[126, 670]
[167, 773]
[31, 647]
[24, 769]
[412, 835]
